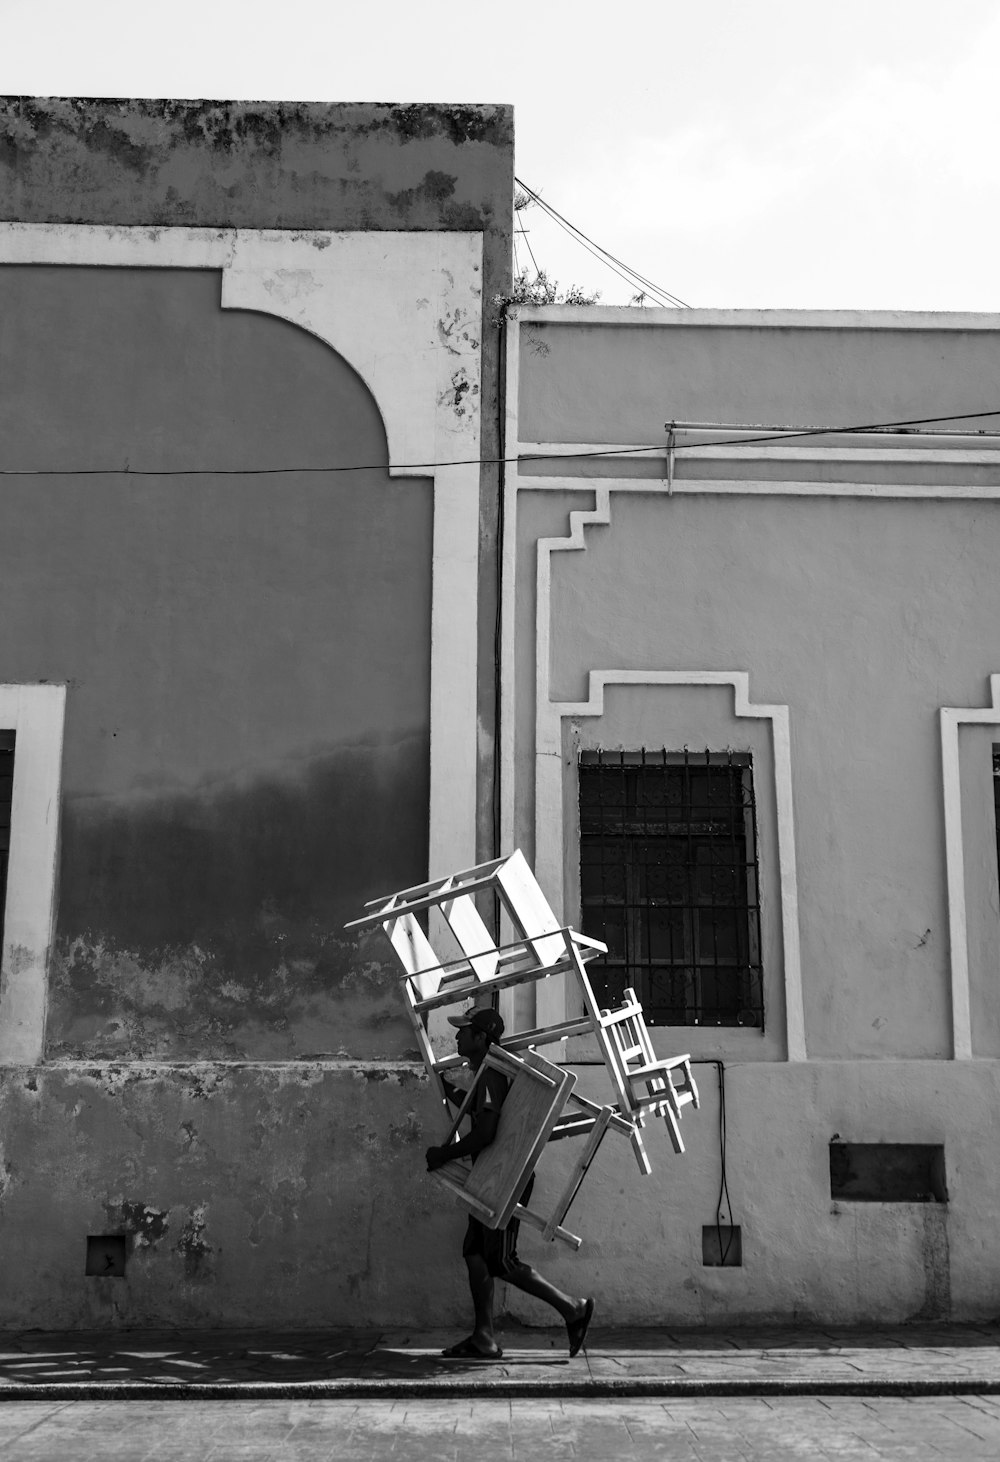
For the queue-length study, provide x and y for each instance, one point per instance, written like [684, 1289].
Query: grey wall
[289, 165]
[248, 661]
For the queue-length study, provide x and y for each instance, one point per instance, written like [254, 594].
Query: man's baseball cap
[490, 1022]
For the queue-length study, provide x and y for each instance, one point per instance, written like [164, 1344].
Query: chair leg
[579, 1172]
[537, 1221]
[645, 1166]
[673, 1128]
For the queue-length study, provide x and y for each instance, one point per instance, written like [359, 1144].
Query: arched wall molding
[952, 717]
[404, 310]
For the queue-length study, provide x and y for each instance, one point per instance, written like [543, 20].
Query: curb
[388, 1390]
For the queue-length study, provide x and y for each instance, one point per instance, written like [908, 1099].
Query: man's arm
[484, 1124]
[483, 1132]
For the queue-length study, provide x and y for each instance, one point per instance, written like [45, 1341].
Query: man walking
[491, 1254]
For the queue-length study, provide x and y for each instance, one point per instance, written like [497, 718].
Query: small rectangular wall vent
[722, 1246]
[106, 1255]
[887, 1172]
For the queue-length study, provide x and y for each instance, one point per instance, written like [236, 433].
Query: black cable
[524, 235]
[829, 431]
[630, 276]
[819, 431]
[661, 296]
[600, 252]
[723, 1179]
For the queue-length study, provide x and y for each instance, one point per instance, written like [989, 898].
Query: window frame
[636, 925]
[36, 715]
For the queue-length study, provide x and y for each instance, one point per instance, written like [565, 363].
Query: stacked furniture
[547, 1106]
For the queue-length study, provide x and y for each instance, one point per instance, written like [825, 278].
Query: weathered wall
[248, 668]
[290, 165]
[295, 1195]
[250, 1195]
[247, 659]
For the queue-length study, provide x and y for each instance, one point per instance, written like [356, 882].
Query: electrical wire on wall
[723, 1206]
[498, 624]
[776, 434]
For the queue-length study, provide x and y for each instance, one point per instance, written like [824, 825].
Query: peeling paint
[145, 1224]
[460, 387]
[193, 1246]
[19, 958]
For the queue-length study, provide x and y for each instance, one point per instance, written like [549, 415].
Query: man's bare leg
[482, 1341]
[575, 1312]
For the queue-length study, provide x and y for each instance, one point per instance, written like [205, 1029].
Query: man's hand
[437, 1157]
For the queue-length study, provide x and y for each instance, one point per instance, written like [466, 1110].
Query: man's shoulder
[493, 1088]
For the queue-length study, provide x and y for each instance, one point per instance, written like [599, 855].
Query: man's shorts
[498, 1246]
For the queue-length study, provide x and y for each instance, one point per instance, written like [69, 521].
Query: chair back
[530, 911]
[474, 939]
[415, 953]
[630, 1044]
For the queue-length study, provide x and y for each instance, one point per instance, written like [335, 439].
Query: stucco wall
[294, 166]
[694, 367]
[854, 582]
[296, 1195]
[864, 618]
[249, 1195]
[247, 659]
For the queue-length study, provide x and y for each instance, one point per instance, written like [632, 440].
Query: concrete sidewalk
[903, 1361]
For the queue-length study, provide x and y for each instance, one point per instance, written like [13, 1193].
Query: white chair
[647, 1085]
[642, 1085]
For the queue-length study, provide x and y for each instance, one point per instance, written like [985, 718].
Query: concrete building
[751, 724]
[248, 647]
[267, 597]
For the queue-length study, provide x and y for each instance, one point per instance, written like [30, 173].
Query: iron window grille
[669, 881]
[6, 789]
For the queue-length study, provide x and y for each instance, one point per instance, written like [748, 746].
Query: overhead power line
[624, 271]
[775, 436]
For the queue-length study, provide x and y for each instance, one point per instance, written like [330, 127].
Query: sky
[774, 154]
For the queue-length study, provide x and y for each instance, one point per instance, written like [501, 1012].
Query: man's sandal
[577, 1329]
[468, 1350]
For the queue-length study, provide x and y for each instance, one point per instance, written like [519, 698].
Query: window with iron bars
[6, 789]
[669, 881]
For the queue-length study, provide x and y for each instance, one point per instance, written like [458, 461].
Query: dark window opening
[669, 881]
[6, 790]
[887, 1172]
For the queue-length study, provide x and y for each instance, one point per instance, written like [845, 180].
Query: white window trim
[36, 714]
[550, 803]
[952, 717]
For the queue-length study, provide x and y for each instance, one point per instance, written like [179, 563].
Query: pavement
[386, 1365]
